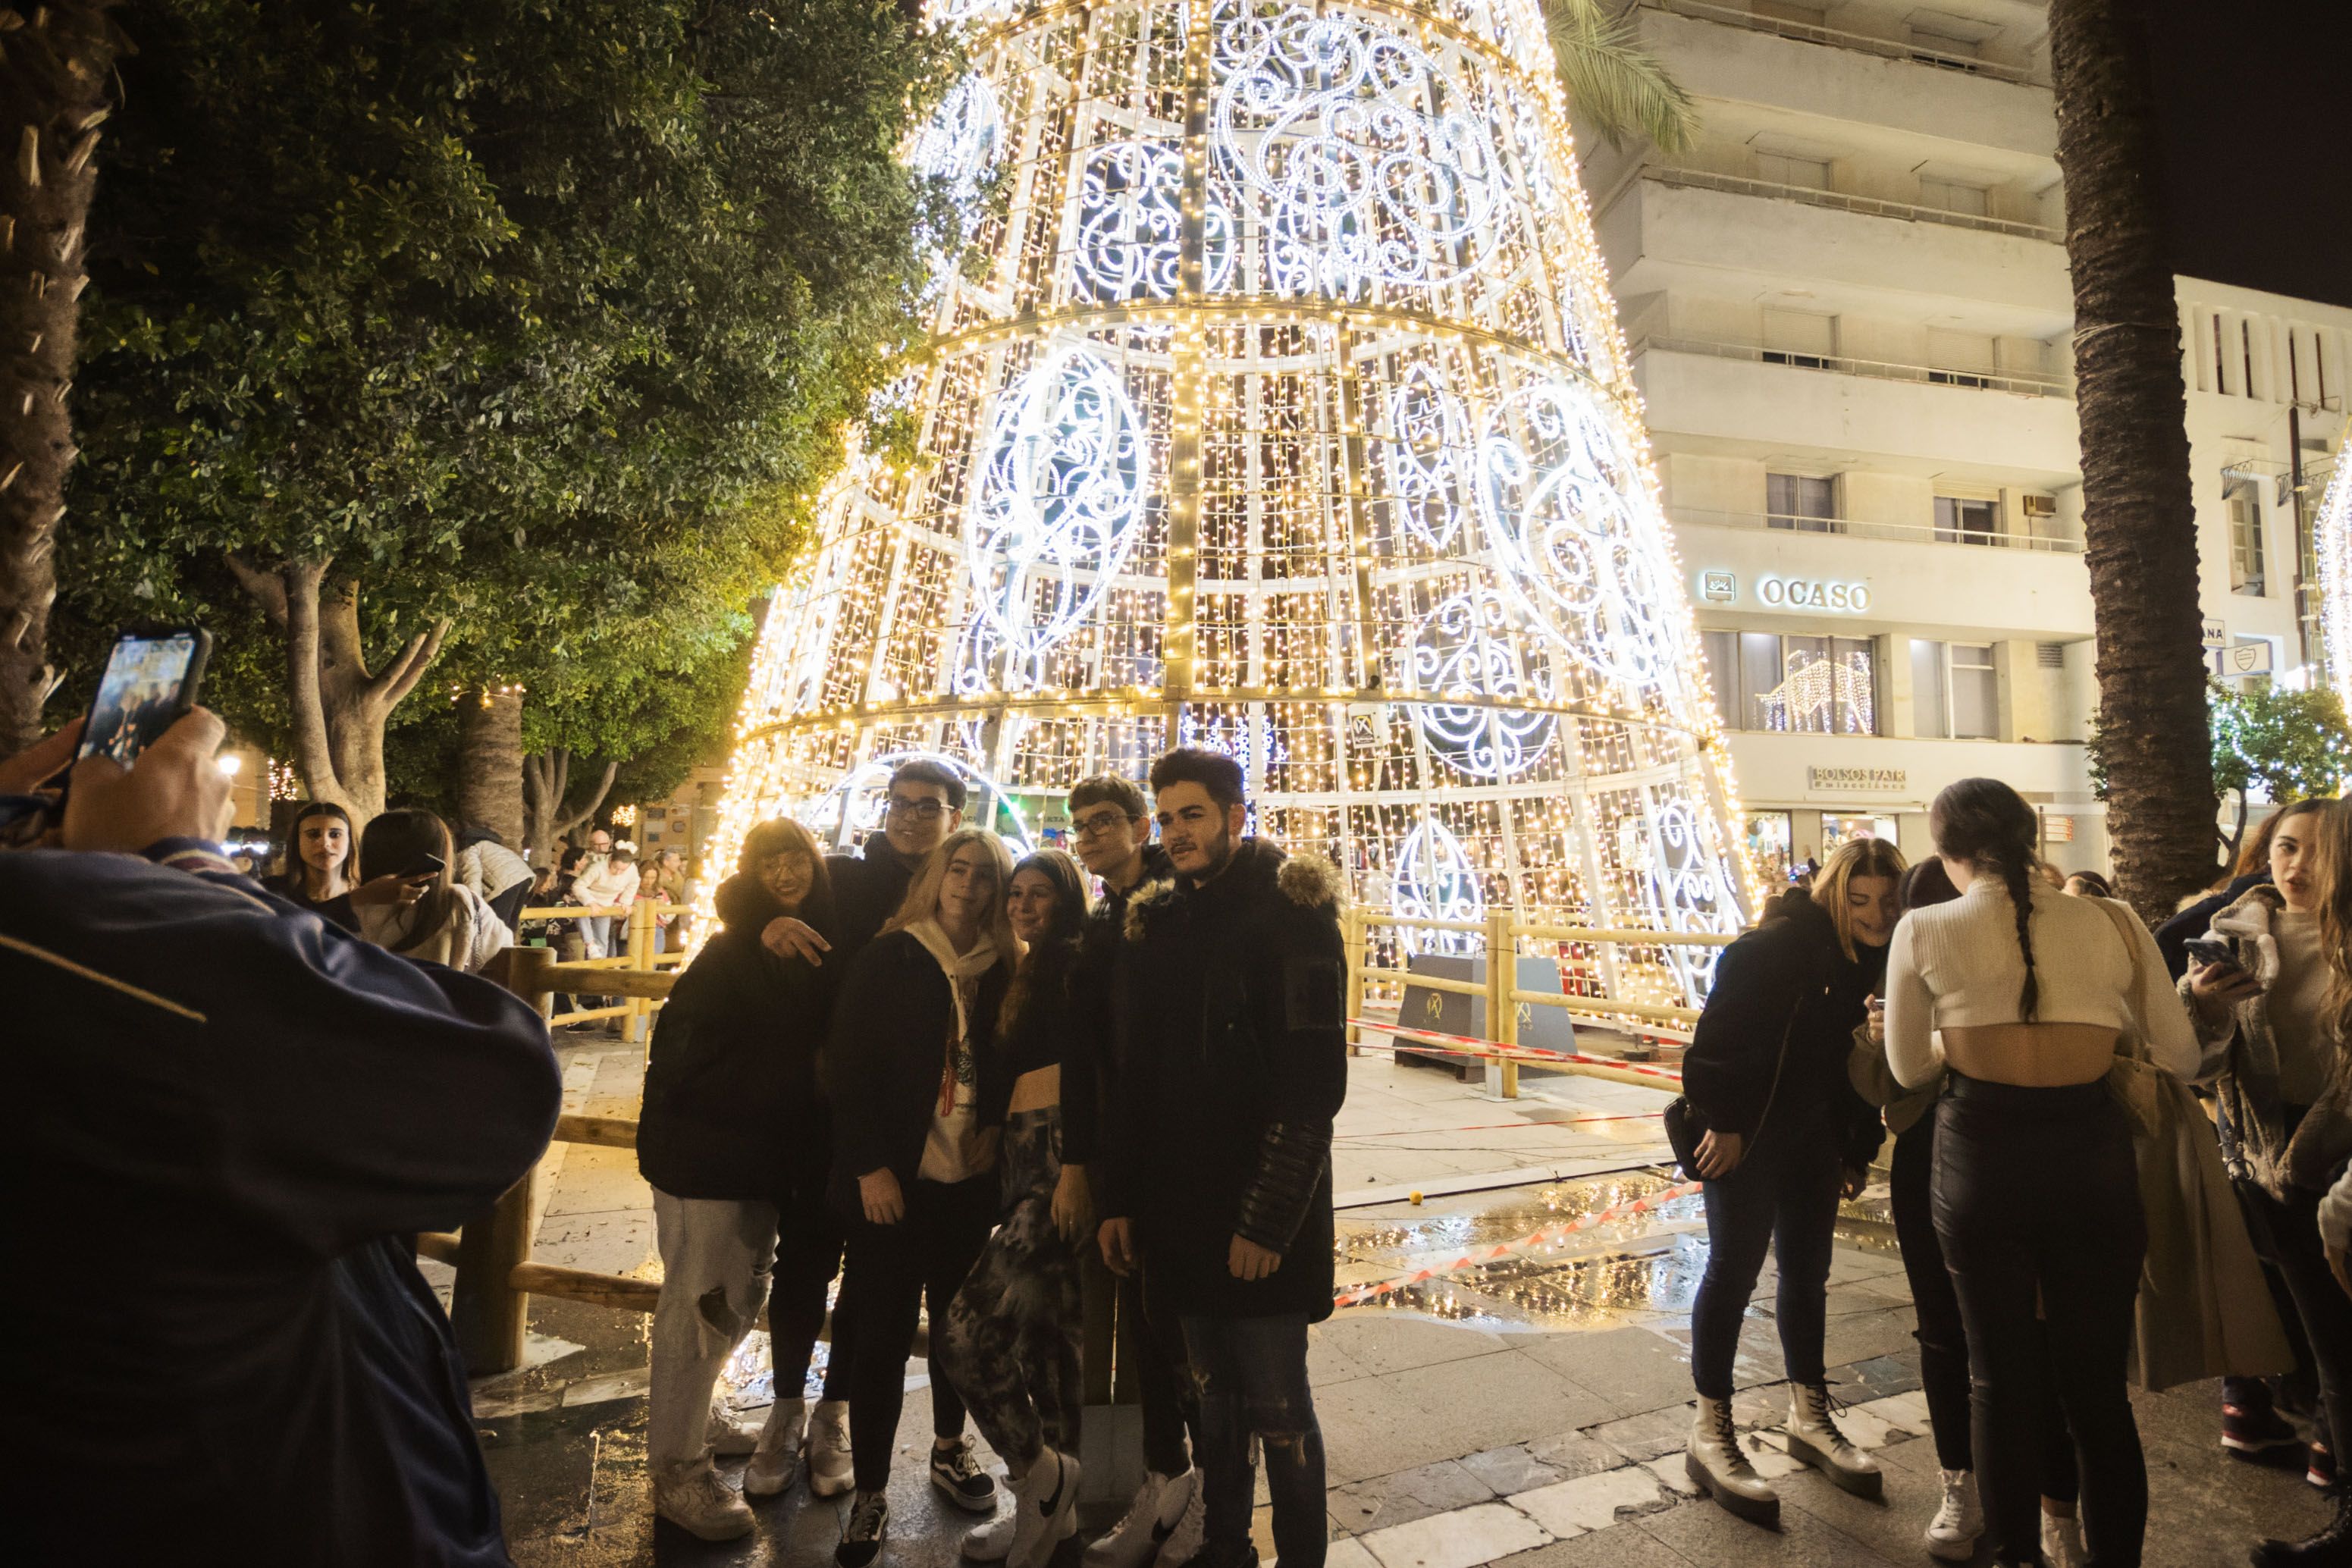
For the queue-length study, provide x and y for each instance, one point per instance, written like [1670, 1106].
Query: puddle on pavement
[1640, 1267]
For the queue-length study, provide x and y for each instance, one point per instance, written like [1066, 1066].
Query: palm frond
[1614, 82]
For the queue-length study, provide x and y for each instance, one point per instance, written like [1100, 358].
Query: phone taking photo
[151, 680]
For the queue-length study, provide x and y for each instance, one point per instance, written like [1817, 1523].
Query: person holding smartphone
[2259, 987]
[435, 916]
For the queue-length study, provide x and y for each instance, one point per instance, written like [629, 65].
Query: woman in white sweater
[2022, 994]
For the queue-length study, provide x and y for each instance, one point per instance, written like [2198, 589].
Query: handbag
[2202, 1309]
[1685, 1125]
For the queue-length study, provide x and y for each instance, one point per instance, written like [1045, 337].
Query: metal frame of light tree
[1289, 413]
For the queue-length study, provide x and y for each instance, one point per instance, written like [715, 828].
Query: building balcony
[1864, 43]
[1739, 397]
[1819, 75]
[1685, 228]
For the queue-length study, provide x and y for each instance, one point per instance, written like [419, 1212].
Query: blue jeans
[1784, 1197]
[1252, 1377]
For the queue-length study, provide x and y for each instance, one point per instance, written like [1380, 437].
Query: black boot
[2331, 1548]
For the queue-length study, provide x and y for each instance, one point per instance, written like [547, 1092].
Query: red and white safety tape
[1550, 1235]
[1471, 1045]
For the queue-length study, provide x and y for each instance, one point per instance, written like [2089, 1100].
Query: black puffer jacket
[1088, 1055]
[883, 1057]
[1787, 975]
[731, 1104]
[1231, 1063]
[868, 889]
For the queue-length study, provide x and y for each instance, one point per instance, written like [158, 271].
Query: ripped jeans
[716, 1255]
[1252, 1377]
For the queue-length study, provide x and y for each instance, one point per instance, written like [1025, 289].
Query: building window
[1782, 169]
[1951, 197]
[2244, 501]
[1942, 49]
[2221, 360]
[1770, 846]
[1960, 359]
[1836, 830]
[1799, 338]
[1801, 501]
[1954, 691]
[1961, 521]
[1795, 685]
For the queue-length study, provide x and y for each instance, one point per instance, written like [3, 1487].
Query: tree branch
[267, 588]
[400, 677]
[572, 819]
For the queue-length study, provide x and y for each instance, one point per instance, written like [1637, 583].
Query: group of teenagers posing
[947, 1075]
[2015, 1039]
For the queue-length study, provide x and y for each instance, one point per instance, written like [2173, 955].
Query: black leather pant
[2037, 1202]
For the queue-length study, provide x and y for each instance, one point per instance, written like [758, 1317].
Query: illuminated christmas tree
[2333, 533]
[1284, 411]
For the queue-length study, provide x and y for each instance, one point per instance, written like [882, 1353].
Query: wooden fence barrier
[1503, 933]
[636, 1008]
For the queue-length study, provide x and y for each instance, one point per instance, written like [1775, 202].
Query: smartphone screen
[149, 681]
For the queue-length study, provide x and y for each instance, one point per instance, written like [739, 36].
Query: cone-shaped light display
[1281, 407]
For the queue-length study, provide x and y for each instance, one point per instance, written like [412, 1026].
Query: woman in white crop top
[2030, 991]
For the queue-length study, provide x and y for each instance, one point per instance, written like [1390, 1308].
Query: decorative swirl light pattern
[1463, 648]
[1555, 484]
[1130, 236]
[1327, 123]
[1057, 507]
[958, 143]
[1689, 879]
[1434, 880]
[1428, 432]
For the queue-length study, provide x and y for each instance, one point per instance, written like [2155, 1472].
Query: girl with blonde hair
[906, 1072]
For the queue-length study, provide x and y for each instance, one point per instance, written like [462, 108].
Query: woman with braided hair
[2029, 992]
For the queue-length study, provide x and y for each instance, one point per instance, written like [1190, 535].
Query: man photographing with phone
[233, 1113]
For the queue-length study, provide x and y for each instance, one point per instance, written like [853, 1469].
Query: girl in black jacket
[1012, 1340]
[907, 1068]
[1786, 1138]
[732, 1138]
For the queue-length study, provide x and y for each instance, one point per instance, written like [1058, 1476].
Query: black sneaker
[869, 1526]
[956, 1471]
[2319, 1469]
[2250, 1431]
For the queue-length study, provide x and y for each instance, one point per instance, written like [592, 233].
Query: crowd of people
[2073, 1223]
[950, 1078]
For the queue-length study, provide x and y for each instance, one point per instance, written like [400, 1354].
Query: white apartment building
[1850, 314]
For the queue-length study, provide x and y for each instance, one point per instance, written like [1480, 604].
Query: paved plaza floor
[1529, 1411]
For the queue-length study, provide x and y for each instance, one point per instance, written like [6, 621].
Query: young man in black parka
[1232, 1063]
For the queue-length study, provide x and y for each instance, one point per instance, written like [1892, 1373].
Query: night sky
[2258, 142]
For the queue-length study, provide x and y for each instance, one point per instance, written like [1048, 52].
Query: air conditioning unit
[2041, 506]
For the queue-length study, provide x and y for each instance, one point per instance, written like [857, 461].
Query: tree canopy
[540, 322]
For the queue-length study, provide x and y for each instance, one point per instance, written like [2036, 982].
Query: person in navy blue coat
[231, 1114]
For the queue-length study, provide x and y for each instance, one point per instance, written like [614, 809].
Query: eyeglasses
[1097, 823]
[920, 810]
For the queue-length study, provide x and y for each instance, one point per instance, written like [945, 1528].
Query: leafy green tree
[2287, 744]
[499, 332]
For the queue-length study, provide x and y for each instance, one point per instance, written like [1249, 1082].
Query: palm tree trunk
[55, 64]
[490, 761]
[2139, 525]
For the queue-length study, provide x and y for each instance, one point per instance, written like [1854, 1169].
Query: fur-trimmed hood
[1257, 864]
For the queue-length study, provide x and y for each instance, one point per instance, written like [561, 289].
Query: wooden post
[1352, 936]
[1502, 976]
[486, 1312]
[641, 956]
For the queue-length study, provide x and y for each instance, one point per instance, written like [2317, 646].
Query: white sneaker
[992, 1542]
[1185, 1539]
[730, 1435]
[690, 1495]
[2061, 1541]
[1046, 1504]
[829, 1471]
[1135, 1540]
[1952, 1533]
[778, 1455]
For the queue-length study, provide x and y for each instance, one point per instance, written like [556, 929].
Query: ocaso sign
[1813, 593]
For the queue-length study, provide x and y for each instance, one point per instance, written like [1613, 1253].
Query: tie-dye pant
[1013, 1338]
